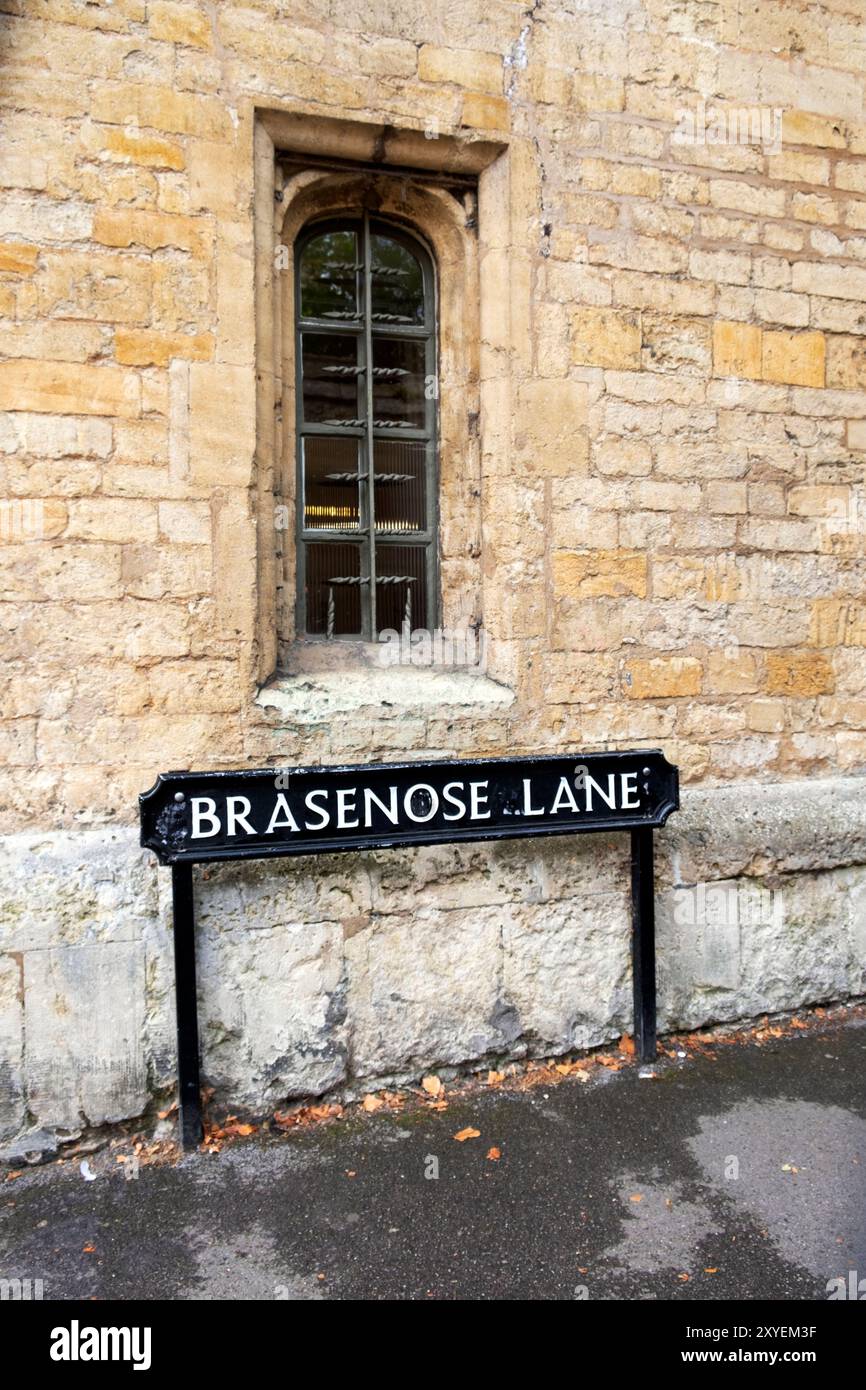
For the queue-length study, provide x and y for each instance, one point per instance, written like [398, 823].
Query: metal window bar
[367, 428]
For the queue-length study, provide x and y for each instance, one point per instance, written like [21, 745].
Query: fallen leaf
[350, 1173]
[714, 1270]
[610, 1063]
[432, 1085]
[636, 1197]
[164, 1114]
[798, 1023]
[494, 1154]
[494, 1077]
[88, 1249]
[325, 1112]
[626, 1045]
[683, 1278]
[467, 1133]
[371, 1103]
[10, 1177]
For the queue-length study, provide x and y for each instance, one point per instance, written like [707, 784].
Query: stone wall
[662, 506]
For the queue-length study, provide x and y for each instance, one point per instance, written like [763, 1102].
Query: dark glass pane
[399, 381]
[332, 590]
[329, 277]
[401, 586]
[401, 485]
[330, 484]
[331, 378]
[397, 290]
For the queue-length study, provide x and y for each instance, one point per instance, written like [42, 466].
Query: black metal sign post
[201, 817]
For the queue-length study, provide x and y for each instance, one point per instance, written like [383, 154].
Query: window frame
[367, 224]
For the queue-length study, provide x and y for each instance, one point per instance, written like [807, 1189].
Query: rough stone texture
[653, 439]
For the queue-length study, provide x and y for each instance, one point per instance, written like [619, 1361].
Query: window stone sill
[312, 697]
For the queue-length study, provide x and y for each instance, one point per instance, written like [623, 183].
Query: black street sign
[194, 817]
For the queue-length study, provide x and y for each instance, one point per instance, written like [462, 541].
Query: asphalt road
[750, 1163]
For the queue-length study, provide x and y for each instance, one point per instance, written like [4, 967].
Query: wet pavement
[744, 1171]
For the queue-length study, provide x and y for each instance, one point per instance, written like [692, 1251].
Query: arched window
[366, 430]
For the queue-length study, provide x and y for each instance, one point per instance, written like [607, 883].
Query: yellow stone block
[161, 108]
[147, 347]
[796, 359]
[475, 70]
[606, 338]
[799, 673]
[485, 112]
[596, 573]
[68, 388]
[17, 257]
[179, 24]
[130, 227]
[736, 349]
[663, 677]
[803, 128]
[129, 147]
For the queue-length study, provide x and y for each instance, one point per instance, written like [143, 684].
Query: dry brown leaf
[372, 1103]
[494, 1077]
[713, 1270]
[325, 1112]
[626, 1045]
[494, 1154]
[88, 1249]
[468, 1133]
[684, 1278]
[432, 1085]
[636, 1197]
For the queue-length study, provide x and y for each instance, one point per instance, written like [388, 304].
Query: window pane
[331, 484]
[401, 586]
[330, 376]
[329, 277]
[401, 485]
[397, 283]
[333, 591]
[398, 381]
